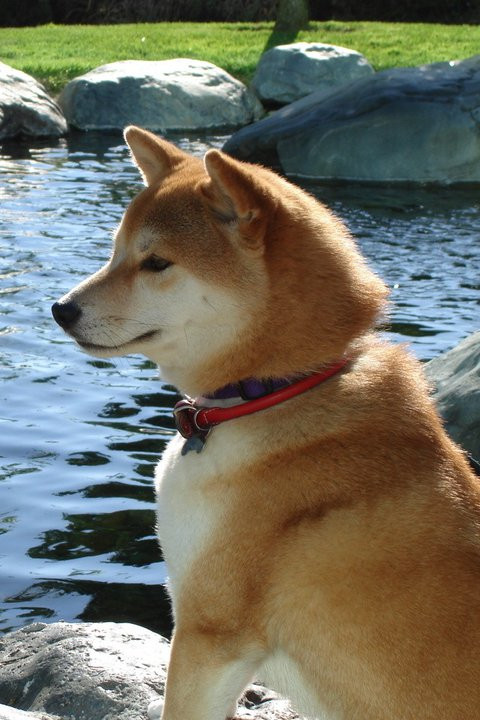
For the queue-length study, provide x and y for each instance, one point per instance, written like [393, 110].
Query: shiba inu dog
[320, 529]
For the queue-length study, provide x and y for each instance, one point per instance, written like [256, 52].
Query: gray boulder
[455, 376]
[418, 124]
[90, 671]
[97, 671]
[25, 107]
[159, 95]
[10, 713]
[289, 72]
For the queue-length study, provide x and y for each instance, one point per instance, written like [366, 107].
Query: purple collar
[251, 388]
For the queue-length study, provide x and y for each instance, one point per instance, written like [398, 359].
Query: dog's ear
[237, 201]
[155, 158]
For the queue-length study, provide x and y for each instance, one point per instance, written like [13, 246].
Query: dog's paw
[155, 709]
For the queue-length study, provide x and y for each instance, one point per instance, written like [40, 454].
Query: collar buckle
[185, 415]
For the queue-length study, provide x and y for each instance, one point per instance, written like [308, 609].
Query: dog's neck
[195, 418]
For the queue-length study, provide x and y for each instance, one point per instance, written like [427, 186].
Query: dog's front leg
[207, 673]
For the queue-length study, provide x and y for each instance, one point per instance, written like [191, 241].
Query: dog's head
[222, 270]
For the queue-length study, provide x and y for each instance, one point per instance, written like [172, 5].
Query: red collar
[195, 422]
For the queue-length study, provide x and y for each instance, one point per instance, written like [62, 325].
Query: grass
[55, 54]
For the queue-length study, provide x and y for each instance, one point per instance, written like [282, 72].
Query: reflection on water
[90, 601]
[79, 437]
[118, 536]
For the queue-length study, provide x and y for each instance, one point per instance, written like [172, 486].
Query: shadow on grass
[279, 37]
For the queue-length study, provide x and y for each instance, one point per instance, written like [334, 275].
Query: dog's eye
[153, 263]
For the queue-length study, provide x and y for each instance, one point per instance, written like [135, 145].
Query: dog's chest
[193, 498]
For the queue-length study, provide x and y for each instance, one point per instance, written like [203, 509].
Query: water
[79, 437]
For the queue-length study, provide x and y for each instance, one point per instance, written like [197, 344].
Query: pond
[79, 437]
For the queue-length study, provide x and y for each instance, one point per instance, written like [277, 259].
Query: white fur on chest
[189, 511]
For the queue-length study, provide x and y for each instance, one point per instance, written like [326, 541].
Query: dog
[321, 531]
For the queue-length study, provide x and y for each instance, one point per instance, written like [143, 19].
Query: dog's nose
[66, 313]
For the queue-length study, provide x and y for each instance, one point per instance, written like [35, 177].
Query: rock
[418, 124]
[25, 107]
[455, 376]
[97, 671]
[9, 713]
[88, 671]
[159, 95]
[289, 72]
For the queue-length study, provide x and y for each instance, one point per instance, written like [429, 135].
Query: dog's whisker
[123, 318]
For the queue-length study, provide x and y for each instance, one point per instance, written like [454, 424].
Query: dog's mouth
[120, 347]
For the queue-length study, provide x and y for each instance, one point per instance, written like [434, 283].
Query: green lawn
[56, 53]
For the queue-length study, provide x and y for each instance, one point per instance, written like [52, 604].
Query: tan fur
[331, 542]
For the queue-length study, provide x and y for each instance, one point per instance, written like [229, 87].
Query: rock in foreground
[418, 124]
[10, 713]
[96, 671]
[456, 378]
[25, 108]
[159, 95]
[289, 72]
[90, 671]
